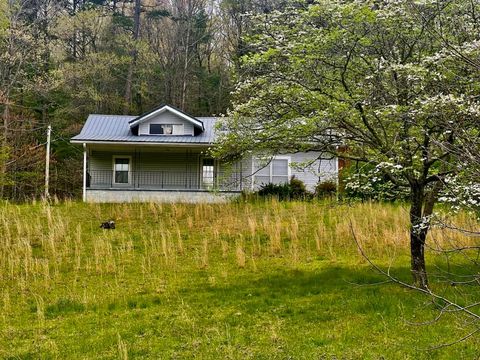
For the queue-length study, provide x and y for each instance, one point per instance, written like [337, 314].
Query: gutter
[170, 144]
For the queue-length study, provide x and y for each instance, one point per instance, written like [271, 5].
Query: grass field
[266, 280]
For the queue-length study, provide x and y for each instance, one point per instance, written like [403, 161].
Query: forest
[61, 60]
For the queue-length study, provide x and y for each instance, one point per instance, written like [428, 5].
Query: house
[162, 156]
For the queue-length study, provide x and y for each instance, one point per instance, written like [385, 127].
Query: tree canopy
[387, 80]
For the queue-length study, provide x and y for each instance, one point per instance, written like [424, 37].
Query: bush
[282, 191]
[298, 189]
[294, 190]
[325, 189]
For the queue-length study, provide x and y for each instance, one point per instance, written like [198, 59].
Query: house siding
[236, 175]
[100, 167]
[182, 170]
[101, 160]
[171, 169]
[166, 118]
[317, 171]
[305, 167]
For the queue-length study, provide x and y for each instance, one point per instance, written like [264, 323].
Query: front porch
[209, 178]
[157, 173]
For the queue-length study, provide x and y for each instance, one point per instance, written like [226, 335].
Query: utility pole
[84, 196]
[47, 162]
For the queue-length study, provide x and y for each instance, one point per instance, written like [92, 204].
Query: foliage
[325, 189]
[461, 190]
[281, 191]
[368, 182]
[297, 188]
[4, 155]
[293, 190]
[384, 79]
[461, 193]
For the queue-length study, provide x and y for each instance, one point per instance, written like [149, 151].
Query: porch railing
[166, 180]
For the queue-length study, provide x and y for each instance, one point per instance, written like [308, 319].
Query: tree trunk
[418, 234]
[136, 32]
[185, 69]
[4, 151]
[74, 44]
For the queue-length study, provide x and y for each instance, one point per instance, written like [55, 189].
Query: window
[279, 171]
[121, 170]
[208, 172]
[166, 129]
[156, 129]
[275, 172]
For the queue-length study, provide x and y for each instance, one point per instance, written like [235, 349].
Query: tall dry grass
[42, 245]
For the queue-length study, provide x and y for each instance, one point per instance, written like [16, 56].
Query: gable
[166, 120]
[179, 125]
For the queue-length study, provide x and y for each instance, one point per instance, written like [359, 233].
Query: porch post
[84, 197]
[241, 175]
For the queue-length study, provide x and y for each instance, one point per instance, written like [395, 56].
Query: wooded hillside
[61, 60]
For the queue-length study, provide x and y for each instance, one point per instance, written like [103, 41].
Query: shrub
[294, 190]
[282, 191]
[297, 188]
[325, 189]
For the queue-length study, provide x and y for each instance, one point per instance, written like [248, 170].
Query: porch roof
[116, 128]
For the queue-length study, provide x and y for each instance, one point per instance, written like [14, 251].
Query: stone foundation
[165, 196]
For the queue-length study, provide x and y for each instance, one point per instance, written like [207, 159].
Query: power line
[59, 137]
[27, 130]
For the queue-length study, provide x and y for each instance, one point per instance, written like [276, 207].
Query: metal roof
[116, 128]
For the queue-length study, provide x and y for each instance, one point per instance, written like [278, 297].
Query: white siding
[167, 118]
[304, 167]
[232, 176]
[175, 169]
[319, 170]
[171, 169]
[100, 161]
[247, 167]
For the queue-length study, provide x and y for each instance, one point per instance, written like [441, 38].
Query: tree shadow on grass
[315, 295]
[321, 307]
[292, 290]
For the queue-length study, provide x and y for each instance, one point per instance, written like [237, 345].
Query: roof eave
[150, 143]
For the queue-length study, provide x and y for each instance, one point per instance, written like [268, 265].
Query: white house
[162, 156]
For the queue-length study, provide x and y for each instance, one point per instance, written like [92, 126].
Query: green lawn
[238, 281]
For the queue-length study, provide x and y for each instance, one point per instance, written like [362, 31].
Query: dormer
[166, 121]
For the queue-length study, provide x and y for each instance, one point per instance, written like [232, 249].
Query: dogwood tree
[386, 79]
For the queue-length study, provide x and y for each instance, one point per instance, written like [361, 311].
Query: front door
[207, 173]
[122, 170]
